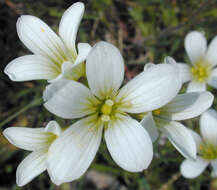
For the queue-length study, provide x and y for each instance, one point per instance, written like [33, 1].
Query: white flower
[182, 107]
[206, 147]
[107, 107]
[54, 57]
[204, 60]
[37, 140]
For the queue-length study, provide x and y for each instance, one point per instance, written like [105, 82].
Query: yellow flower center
[208, 151]
[201, 71]
[156, 112]
[106, 110]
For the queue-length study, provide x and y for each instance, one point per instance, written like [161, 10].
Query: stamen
[208, 151]
[201, 71]
[105, 118]
[107, 107]
[156, 112]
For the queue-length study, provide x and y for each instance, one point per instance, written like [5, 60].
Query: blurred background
[144, 31]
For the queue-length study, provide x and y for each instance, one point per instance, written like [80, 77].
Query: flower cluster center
[208, 151]
[201, 71]
[106, 110]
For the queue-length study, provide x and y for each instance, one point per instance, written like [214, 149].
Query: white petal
[214, 166]
[211, 55]
[68, 99]
[185, 72]
[40, 39]
[195, 45]
[53, 127]
[148, 66]
[208, 126]
[27, 138]
[33, 165]
[169, 60]
[197, 138]
[77, 69]
[31, 67]
[69, 24]
[188, 105]
[129, 144]
[72, 153]
[146, 92]
[213, 79]
[196, 87]
[149, 124]
[71, 71]
[192, 169]
[105, 69]
[83, 51]
[181, 139]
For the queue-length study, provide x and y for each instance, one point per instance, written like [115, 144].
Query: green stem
[34, 103]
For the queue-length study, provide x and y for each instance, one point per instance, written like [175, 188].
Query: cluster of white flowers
[130, 117]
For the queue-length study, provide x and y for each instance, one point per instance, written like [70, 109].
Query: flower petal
[80, 143]
[214, 166]
[53, 127]
[71, 71]
[148, 66]
[196, 87]
[213, 79]
[68, 99]
[188, 105]
[146, 92]
[40, 39]
[129, 144]
[69, 24]
[83, 51]
[185, 72]
[211, 55]
[31, 67]
[149, 124]
[33, 165]
[27, 138]
[105, 69]
[208, 126]
[181, 139]
[197, 138]
[195, 46]
[192, 169]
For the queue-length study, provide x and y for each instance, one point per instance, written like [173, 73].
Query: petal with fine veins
[69, 25]
[189, 105]
[72, 153]
[27, 138]
[31, 67]
[208, 126]
[68, 99]
[195, 46]
[33, 165]
[192, 169]
[105, 69]
[181, 139]
[40, 39]
[146, 92]
[196, 87]
[129, 144]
